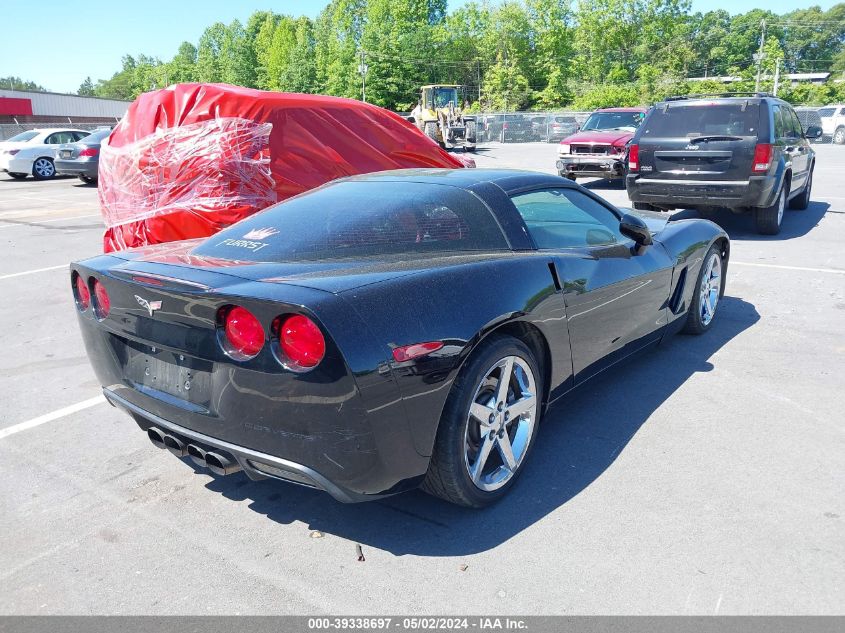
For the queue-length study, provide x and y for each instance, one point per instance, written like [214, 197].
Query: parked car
[508, 128]
[32, 152]
[833, 122]
[600, 149]
[744, 153]
[390, 330]
[553, 127]
[809, 117]
[82, 158]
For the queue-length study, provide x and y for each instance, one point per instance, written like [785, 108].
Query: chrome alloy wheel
[781, 206]
[711, 286]
[502, 416]
[44, 168]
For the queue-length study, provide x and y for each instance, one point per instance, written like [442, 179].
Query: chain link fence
[8, 130]
[528, 127]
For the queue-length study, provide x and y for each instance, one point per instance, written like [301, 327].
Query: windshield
[628, 121]
[442, 97]
[359, 219]
[24, 136]
[726, 119]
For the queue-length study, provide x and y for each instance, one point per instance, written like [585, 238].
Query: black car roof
[508, 179]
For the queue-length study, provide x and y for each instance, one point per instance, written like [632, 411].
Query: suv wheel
[802, 201]
[839, 136]
[769, 219]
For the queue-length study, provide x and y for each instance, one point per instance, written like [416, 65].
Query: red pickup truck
[600, 148]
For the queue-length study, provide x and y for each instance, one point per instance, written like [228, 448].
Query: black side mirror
[632, 226]
[813, 132]
[410, 119]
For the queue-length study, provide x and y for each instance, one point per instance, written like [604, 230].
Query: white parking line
[23, 221]
[30, 272]
[835, 271]
[49, 417]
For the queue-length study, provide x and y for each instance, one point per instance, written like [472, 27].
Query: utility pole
[777, 78]
[759, 56]
[362, 68]
[479, 83]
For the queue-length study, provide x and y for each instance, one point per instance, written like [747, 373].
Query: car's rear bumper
[591, 165]
[256, 464]
[758, 191]
[18, 166]
[317, 426]
[76, 168]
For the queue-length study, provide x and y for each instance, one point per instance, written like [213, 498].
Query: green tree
[338, 32]
[16, 83]
[183, 67]
[86, 88]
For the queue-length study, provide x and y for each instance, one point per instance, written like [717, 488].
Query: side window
[566, 218]
[60, 137]
[793, 127]
[780, 132]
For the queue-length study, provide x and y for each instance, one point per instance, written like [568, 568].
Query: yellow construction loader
[440, 117]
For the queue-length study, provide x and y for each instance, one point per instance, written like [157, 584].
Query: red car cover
[190, 160]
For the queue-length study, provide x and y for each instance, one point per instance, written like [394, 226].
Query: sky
[57, 43]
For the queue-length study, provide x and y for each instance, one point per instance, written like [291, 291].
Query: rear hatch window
[361, 219]
[730, 119]
[707, 141]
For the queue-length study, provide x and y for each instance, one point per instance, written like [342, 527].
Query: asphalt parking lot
[707, 476]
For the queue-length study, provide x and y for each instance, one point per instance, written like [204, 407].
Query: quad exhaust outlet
[217, 463]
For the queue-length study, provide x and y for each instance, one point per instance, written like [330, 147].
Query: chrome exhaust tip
[221, 465]
[197, 455]
[156, 437]
[175, 445]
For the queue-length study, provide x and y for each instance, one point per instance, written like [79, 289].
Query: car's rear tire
[769, 219]
[802, 200]
[484, 437]
[18, 176]
[839, 136]
[43, 168]
[706, 294]
[88, 180]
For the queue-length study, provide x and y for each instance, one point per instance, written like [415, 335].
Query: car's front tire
[17, 176]
[488, 425]
[43, 168]
[839, 136]
[769, 219]
[706, 295]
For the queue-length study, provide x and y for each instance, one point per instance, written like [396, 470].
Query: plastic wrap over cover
[187, 161]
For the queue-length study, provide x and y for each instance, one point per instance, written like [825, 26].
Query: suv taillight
[634, 158]
[762, 158]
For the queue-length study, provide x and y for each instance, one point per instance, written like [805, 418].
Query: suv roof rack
[719, 94]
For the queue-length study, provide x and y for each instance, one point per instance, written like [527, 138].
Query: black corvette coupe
[390, 330]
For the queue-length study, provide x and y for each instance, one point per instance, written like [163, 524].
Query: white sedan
[32, 152]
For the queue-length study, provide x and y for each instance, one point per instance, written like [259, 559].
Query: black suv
[746, 153]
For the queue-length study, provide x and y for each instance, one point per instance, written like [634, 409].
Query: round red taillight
[83, 295]
[243, 333]
[102, 305]
[301, 341]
